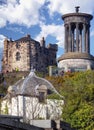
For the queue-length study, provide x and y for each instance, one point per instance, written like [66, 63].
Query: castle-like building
[25, 53]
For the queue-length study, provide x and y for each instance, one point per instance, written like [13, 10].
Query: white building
[29, 98]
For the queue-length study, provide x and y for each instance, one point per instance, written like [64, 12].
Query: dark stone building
[25, 53]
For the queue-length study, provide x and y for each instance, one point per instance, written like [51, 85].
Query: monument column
[87, 39]
[70, 38]
[77, 38]
[84, 27]
[66, 39]
[80, 38]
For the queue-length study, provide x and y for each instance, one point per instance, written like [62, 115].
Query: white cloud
[12, 1]
[67, 6]
[2, 37]
[56, 31]
[26, 13]
[15, 29]
[92, 33]
[2, 22]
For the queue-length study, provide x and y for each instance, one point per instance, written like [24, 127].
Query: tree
[78, 90]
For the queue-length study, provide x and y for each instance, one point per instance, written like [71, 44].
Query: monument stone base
[76, 64]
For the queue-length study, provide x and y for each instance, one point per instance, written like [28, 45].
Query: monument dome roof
[76, 55]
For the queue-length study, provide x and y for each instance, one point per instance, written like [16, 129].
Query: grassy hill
[78, 90]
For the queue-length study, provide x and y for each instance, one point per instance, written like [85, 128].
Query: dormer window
[42, 97]
[42, 89]
[18, 56]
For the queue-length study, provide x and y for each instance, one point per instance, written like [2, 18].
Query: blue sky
[40, 18]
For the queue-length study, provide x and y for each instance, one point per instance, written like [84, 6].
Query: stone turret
[42, 42]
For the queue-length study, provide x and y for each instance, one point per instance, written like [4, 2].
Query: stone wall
[13, 123]
[24, 53]
[78, 64]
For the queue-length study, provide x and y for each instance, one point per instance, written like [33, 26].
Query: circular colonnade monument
[77, 42]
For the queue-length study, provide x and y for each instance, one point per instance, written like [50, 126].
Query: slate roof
[25, 39]
[29, 86]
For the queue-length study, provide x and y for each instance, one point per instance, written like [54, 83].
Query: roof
[78, 15]
[76, 55]
[25, 39]
[30, 85]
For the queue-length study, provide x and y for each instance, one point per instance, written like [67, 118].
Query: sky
[40, 18]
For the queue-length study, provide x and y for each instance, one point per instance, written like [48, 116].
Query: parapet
[52, 46]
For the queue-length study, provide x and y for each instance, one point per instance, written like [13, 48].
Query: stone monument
[77, 42]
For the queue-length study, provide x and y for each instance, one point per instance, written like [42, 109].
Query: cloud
[2, 37]
[29, 13]
[92, 33]
[22, 12]
[66, 6]
[2, 22]
[56, 31]
[15, 29]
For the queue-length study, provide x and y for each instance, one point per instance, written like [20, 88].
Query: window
[18, 56]
[42, 97]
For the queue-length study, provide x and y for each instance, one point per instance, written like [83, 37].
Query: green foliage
[78, 90]
[53, 96]
[40, 74]
[10, 79]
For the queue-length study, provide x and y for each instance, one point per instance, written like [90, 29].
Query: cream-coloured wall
[30, 108]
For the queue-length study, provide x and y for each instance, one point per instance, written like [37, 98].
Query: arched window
[18, 56]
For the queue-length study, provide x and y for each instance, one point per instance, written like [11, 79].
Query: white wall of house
[30, 108]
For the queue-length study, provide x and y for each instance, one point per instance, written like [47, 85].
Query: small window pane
[41, 97]
[18, 56]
